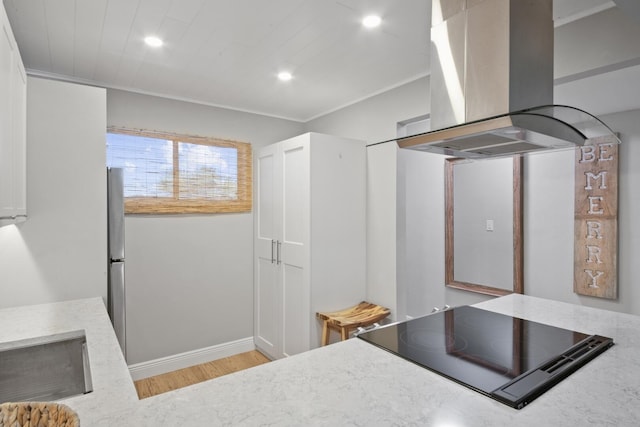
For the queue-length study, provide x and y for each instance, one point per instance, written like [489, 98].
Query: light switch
[489, 225]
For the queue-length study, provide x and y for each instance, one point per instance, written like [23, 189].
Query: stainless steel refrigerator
[115, 226]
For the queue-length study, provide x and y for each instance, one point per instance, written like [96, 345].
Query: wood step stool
[361, 315]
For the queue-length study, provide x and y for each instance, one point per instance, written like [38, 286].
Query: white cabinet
[13, 113]
[310, 237]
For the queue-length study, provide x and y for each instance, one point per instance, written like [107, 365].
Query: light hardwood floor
[151, 386]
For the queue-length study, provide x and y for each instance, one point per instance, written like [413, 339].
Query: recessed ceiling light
[285, 76]
[153, 41]
[371, 21]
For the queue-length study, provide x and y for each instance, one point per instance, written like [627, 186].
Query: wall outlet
[489, 225]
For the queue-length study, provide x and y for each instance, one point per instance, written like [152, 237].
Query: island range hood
[492, 83]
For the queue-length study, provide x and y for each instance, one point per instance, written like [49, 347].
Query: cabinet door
[7, 56]
[266, 281]
[294, 257]
[13, 113]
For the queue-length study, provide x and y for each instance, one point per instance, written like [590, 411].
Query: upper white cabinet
[13, 114]
[310, 237]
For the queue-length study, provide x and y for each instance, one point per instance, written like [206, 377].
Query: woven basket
[37, 414]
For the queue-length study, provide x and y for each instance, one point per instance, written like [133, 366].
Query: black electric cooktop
[509, 359]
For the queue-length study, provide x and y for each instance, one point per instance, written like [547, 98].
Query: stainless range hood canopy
[551, 127]
[491, 70]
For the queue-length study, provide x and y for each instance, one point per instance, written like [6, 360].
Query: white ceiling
[228, 52]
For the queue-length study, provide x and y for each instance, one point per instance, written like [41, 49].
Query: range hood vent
[492, 83]
[552, 127]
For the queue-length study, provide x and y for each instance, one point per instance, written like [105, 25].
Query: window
[174, 174]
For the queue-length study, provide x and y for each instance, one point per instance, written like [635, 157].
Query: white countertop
[112, 385]
[352, 382]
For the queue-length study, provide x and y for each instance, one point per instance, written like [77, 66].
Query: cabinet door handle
[278, 260]
[273, 259]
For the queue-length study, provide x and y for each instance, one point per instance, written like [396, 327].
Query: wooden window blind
[177, 174]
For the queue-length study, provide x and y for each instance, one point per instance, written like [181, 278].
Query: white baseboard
[163, 365]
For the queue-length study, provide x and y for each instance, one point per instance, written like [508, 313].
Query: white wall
[59, 253]
[596, 43]
[420, 228]
[628, 125]
[483, 191]
[375, 120]
[381, 235]
[420, 232]
[548, 240]
[189, 278]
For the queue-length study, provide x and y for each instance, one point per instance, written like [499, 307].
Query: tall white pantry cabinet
[310, 238]
[13, 127]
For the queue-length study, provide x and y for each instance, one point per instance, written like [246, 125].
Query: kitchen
[32, 257]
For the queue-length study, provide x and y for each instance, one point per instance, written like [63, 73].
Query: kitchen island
[351, 382]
